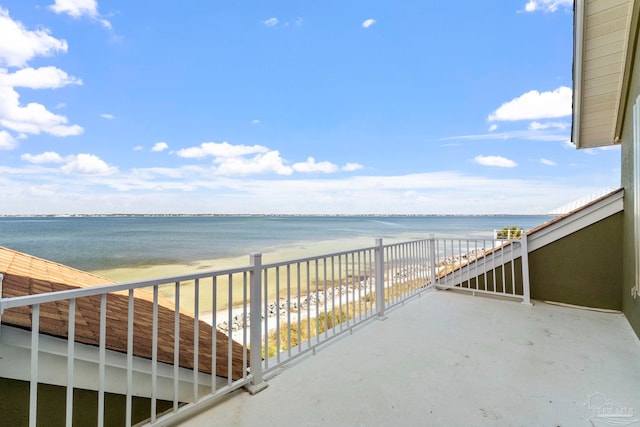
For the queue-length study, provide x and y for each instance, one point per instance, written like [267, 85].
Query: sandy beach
[301, 287]
[313, 288]
[295, 251]
[205, 303]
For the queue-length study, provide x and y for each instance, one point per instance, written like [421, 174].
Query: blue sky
[332, 107]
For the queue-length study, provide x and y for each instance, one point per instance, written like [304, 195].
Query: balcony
[154, 340]
[449, 359]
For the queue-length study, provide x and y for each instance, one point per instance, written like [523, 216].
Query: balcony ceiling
[604, 31]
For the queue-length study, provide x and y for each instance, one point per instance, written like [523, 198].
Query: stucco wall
[631, 306]
[583, 268]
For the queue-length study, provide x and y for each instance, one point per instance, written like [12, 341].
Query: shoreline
[272, 255]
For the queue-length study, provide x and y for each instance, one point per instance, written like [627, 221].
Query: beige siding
[603, 63]
[598, 6]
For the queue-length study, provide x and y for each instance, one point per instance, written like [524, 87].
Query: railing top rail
[388, 245]
[477, 239]
[25, 300]
[339, 253]
[316, 257]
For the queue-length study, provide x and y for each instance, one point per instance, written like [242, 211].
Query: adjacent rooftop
[24, 274]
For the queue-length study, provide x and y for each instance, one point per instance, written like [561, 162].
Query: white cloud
[497, 161]
[234, 160]
[616, 147]
[547, 5]
[517, 134]
[351, 167]
[80, 8]
[138, 148]
[269, 162]
[310, 165]
[37, 78]
[107, 116]
[76, 8]
[19, 45]
[548, 125]
[199, 189]
[493, 127]
[548, 162]
[223, 149]
[33, 118]
[271, 22]
[43, 158]
[535, 105]
[89, 164]
[151, 173]
[159, 146]
[368, 22]
[7, 141]
[255, 122]
[105, 23]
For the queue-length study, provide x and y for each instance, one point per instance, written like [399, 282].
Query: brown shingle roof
[27, 275]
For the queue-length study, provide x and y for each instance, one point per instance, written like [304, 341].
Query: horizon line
[254, 215]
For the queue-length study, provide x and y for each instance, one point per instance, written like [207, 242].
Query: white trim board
[589, 215]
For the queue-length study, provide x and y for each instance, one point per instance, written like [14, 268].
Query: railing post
[33, 385]
[526, 293]
[379, 265]
[432, 250]
[1, 305]
[255, 320]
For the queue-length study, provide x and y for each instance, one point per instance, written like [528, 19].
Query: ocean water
[105, 242]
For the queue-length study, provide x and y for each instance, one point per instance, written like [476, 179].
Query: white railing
[496, 267]
[312, 300]
[253, 319]
[168, 333]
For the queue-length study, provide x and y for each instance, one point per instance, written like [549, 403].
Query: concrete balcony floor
[447, 359]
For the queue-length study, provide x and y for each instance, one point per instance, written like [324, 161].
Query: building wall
[583, 268]
[14, 406]
[631, 305]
